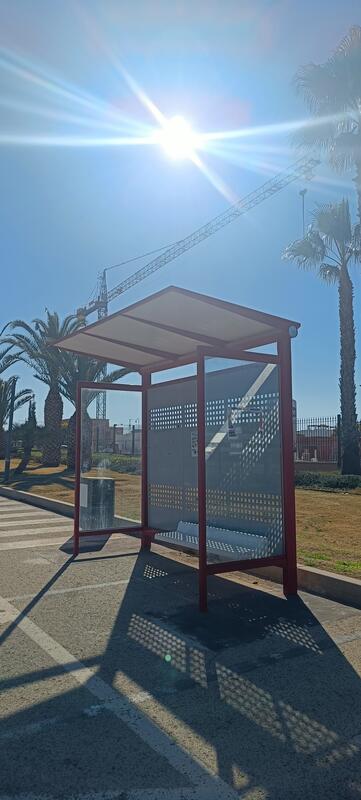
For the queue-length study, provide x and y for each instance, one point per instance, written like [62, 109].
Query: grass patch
[328, 530]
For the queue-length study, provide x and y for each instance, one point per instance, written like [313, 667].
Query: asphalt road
[114, 687]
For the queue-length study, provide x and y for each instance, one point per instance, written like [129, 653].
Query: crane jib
[303, 168]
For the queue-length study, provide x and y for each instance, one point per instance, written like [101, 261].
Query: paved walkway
[115, 687]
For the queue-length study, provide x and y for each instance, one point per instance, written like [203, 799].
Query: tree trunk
[28, 444]
[350, 461]
[71, 437]
[2, 443]
[53, 414]
[85, 445]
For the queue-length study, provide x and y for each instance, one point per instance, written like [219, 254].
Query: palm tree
[21, 398]
[330, 245]
[32, 346]
[332, 91]
[28, 437]
[76, 368]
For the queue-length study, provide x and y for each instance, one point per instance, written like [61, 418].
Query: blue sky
[68, 211]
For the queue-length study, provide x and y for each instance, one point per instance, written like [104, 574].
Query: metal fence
[318, 439]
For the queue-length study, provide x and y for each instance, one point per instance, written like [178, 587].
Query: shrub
[118, 463]
[324, 480]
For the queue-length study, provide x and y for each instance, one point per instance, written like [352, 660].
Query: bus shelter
[199, 454]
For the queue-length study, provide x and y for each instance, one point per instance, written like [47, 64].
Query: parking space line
[204, 781]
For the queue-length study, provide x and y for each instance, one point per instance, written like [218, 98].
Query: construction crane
[302, 169]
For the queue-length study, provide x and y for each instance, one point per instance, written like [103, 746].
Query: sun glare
[178, 139]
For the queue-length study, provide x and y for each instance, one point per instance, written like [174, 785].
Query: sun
[178, 139]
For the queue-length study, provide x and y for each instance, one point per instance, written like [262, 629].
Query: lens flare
[178, 139]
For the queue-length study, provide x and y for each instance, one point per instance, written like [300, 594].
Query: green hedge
[324, 480]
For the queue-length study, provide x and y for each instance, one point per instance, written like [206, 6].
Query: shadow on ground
[255, 690]
[26, 482]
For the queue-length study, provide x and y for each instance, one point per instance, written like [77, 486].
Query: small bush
[324, 480]
[118, 463]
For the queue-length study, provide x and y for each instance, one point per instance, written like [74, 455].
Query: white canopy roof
[169, 326]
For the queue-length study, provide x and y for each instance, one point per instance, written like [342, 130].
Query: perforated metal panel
[243, 453]
[243, 461]
[172, 469]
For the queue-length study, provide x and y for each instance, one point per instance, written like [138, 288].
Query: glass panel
[110, 460]
[243, 460]
[173, 462]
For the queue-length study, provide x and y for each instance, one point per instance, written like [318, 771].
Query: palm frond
[333, 221]
[116, 374]
[75, 368]
[21, 397]
[7, 358]
[332, 93]
[329, 274]
[33, 343]
[308, 252]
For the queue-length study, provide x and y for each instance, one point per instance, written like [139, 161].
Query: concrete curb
[57, 506]
[336, 587]
[316, 581]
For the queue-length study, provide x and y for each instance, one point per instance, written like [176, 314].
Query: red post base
[203, 600]
[290, 581]
[146, 541]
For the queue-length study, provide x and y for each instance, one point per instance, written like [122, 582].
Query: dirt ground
[328, 523]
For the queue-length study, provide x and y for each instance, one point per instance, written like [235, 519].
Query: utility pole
[302, 194]
[9, 432]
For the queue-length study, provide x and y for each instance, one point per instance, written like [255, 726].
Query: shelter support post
[146, 538]
[77, 471]
[289, 509]
[202, 516]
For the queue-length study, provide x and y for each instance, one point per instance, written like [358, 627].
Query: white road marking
[32, 543]
[14, 506]
[68, 534]
[85, 587]
[31, 531]
[14, 503]
[205, 783]
[36, 514]
[16, 523]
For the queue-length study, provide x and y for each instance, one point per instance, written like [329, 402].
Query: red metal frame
[288, 467]
[250, 563]
[287, 561]
[202, 510]
[146, 540]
